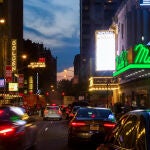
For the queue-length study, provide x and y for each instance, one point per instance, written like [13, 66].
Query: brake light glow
[75, 124]
[6, 130]
[110, 125]
[1, 112]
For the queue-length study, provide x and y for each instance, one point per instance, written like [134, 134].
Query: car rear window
[94, 113]
[52, 108]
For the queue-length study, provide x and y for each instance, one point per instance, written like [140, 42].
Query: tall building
[11, 46]
[11, 32]
[94, 15]
[132, 21]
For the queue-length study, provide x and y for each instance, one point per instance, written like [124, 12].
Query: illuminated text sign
[141, 59]
[14, 54]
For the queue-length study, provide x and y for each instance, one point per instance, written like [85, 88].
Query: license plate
[94, 127]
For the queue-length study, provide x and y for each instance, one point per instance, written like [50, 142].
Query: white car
[52, 113]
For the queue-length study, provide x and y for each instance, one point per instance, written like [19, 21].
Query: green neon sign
[141, 60]
[142, 55]
[122, 60]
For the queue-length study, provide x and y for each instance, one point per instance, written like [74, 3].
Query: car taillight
[59, 112]
[109, 125]
[7, 130]
[76, 124]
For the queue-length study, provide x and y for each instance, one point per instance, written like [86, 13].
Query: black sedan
[17, 130]
[131, 132]
[90, 124]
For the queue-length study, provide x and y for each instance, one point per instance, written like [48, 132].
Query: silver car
[52, 113]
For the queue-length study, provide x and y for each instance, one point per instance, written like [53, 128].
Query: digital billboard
[2, 82]
[145, 2]
[13, 86]
[105, 50]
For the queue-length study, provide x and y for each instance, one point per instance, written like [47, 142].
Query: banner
[8, 73]
[21, 80]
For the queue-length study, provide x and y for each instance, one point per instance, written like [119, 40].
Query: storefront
[133, 71]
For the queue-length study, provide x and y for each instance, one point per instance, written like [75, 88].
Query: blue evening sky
[55, 23]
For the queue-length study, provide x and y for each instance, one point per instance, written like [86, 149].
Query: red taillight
[7, 130]
[109, 125]
[76, 124]
[59, 112]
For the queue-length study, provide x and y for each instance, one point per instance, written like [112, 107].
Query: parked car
[52, 113]
[131, 132]
[18, 131]
[90, 124]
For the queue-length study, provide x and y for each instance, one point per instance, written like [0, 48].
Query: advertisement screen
[13, 86]
[2, 82]
[105, 51]
[144, 2]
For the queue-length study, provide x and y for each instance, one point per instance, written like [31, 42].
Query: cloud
[68, 73]
[54, 23]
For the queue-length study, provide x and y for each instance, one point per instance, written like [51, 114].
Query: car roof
[100, 108]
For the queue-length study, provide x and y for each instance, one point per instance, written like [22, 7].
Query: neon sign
[14, 54]
[122, 60]
[141, 60]
[142, 54]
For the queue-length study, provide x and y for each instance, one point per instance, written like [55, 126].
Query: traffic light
[47, 93]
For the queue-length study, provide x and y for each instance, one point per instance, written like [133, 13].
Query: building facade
[94, 15]
[132, 22]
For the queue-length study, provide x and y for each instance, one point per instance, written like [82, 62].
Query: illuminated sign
[144, 2]
[141, 60]
[13, 87]
[14, 54]
[2, 82]
[8, 73]
[105, 50]
[122, 60]
[37, 65]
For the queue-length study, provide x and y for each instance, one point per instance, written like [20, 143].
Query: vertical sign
[21, 80]
[8, 73]
[14, 54]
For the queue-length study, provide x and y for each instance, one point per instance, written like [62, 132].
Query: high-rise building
[94, 15]
[11, 32]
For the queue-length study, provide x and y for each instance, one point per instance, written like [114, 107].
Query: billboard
[105, 50]
[145, 2]
[2, 82]
[13, 87]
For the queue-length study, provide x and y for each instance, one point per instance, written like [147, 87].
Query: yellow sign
[37, 65]
[14, 54]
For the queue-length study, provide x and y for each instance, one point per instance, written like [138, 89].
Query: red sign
[8, 73]
[21, 80]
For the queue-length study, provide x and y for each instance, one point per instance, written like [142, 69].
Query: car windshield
[94, 113]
